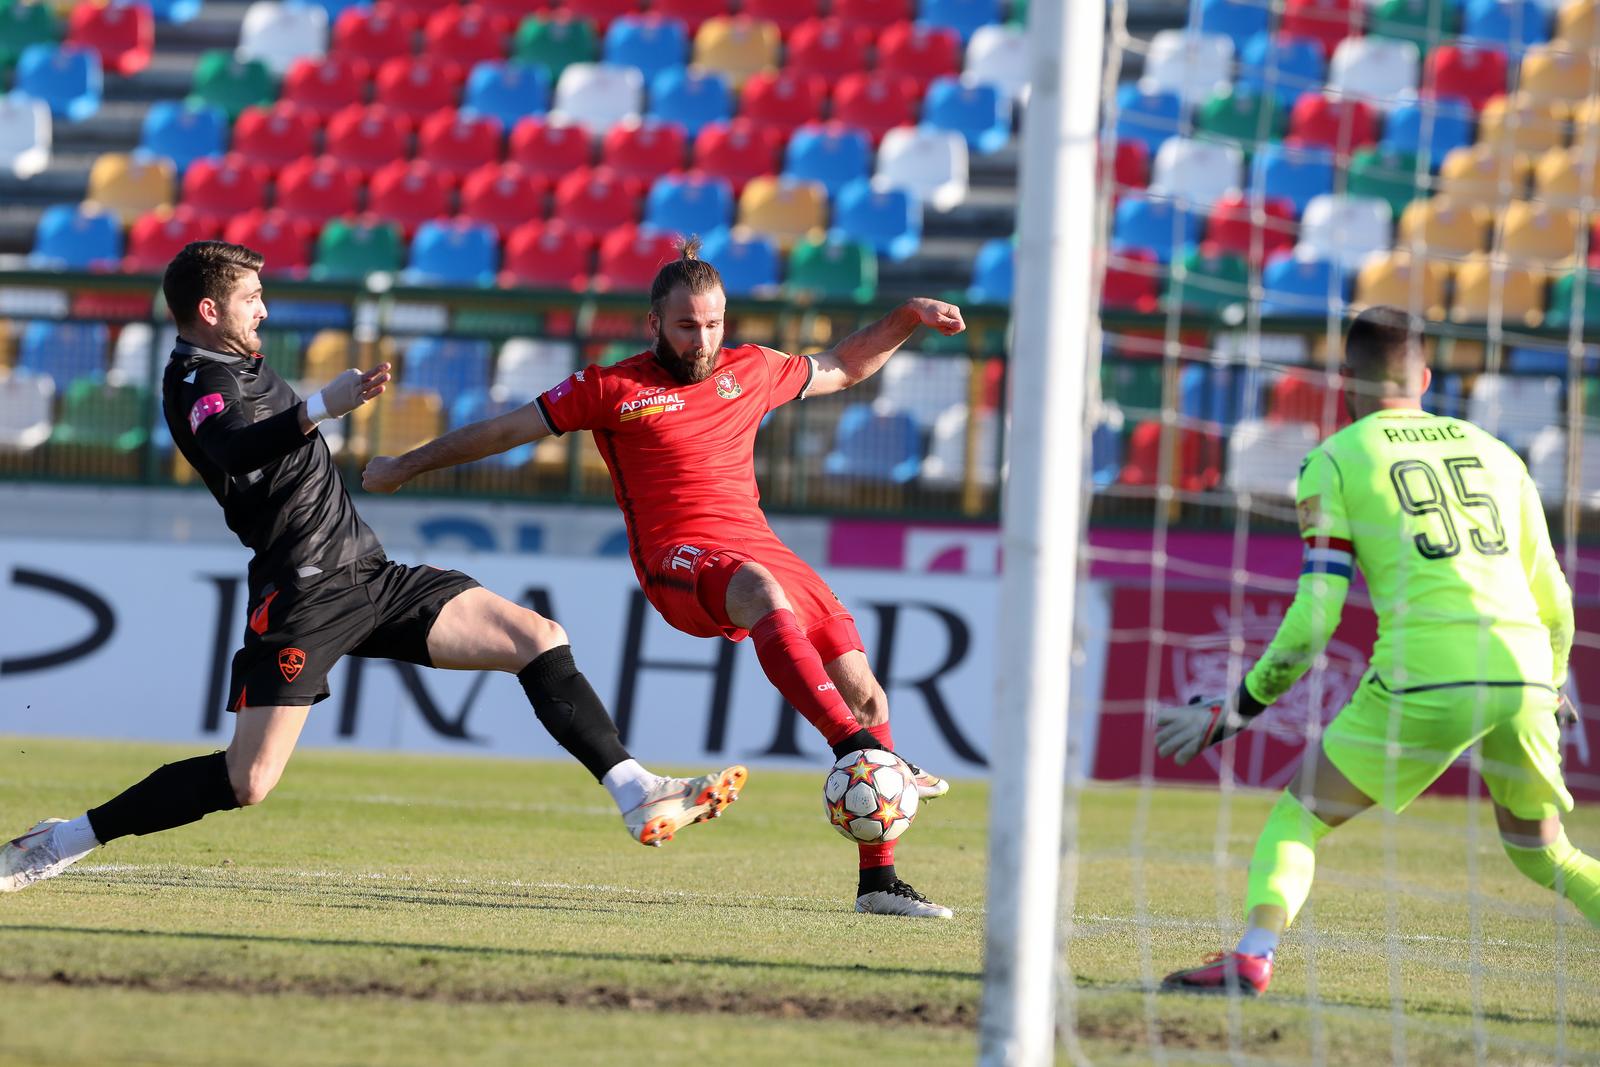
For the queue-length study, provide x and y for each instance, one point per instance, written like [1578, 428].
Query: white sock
[1258, 941]
[75, 836]
[629, 783]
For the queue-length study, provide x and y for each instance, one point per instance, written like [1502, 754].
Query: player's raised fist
[937, 315]
[384, 474]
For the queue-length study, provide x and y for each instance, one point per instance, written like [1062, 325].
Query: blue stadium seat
[175, 11]
[1295, 286]
[992, 272]
[66, 77]
[831, 153]
[454, 252]
[1162, 226]
[749, 264]
[890, 220]
[691, 99]
[980, 113]
[1453, 123]
[184, 131]
[964, 16]
[507, 91]
[335, 8]
[475, 405]
[1105, 449]
[1296, 174]
[1219, 394]
[1147, 117]
[1293, 65]
[1241, 20]
[649, 42]
[448, 366]
[1510, 25]
[873, 447]
[689, 204]
[65, 351]
[71, 237]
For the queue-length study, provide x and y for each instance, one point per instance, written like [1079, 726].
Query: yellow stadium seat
[1482, 174]
[129, 186]
[1538, 235]
[1552, 72]
[1586, 123]
[1558, 177]
[1523, 123]
[784, 209]
[397, 422]
[1441, 229]
[1483, 282]
[1398, 279]
[737, 47]
[1578, 25]
[329, 353]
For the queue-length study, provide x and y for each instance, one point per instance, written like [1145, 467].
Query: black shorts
[374, 608]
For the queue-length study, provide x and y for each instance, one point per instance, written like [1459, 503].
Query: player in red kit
[676, 426]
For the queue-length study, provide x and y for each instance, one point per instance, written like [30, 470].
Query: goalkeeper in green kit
[1474, 628]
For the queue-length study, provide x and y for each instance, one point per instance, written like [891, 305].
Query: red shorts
[688, 584]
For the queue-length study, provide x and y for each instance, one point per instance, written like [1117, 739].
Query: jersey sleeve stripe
[1328, 561]
[549, 422]
[1338, 544]
[811, 375]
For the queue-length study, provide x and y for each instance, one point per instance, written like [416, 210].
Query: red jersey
[682, 457]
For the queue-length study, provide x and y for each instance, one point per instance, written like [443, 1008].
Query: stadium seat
[314, 189]
[1586, 123]
[222, 80]
[1232, 227]
[692, 203]
[129, 186]
[748, 263]
[1475, 75]
[873, 447]
[1423, 23]
[1209, 282]
[922, 386]
[643, 151]
[873, 15]
[1440, 228]
[1197, 172]
[785, 100]
[453, 252]
[26, 401]
[325, 86]
[1147, 117]
[409, 192]
[998, 56]
[1302, 284]
[1264, 456]
[980, 113]
[1295, 174]
[417, 86]
[97, 414]
[1322, 121]
[1241, 114]
[124, 34]
[64, 352]
[1537, 235]
[155, 238]
[929, 164]
[547, 255]
[21, 27]
[1238, 20]
[1164, 226]
[598, 96]
[458, 143]
[1509, 25]
[737, 48]
[601, 12]
[888, 220]
[1549, 72]
[1308, 397]
[464, 35]
[946, 464]
[966, 17]
[1400, 280]
[223, 188]
[877, 102]
[1388, 176]
[507, 92]
[1515, 409]
[652, 43]
[478, 405]
[1558, 177]
[368, 138]
[1198, 458]
[784, 210]
[1130, 166]
[630, 256]
[692, 99]
[351, 249]
[504, 195]
[993, 272]
[692, 14]
[1486, 285]
[374, 35]
[406, 419]
[787, 15]
[828, 270]
[1521, 123]
[1381, 73]
[1327, 22]
[830, 153]
[1130, 281]
[280, 33]
[1561, 309]
[1481, 174]
[1283, 66]
[1547, 464]
[283, 243]
[1448, 124]
[1345, 229]
[738, 151]
[1578, 25]
[1190, 64]
[25, 136]
[918, 51]
[184, 132]
[65, 77]
[595, 200]
[555, 42]
[548, 150]
[527, 366]
[446, 366]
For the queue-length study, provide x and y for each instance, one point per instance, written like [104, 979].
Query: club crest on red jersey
[728, 386]
[291, 661]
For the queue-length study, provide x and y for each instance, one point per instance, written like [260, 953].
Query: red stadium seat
[1130, 167]
[1303, 397]
[547, 255]
[367, 138]
[738, 151]
[504, 195]
[784, 100]
[1330, 122]
[465, 36]
[409, 193]
[600, 12]
[1326, 22]
[457, 143]
[316, 189]
[922, 52]
[155, 238]
[553, 151]
[271, 137]
[828, 47]
[643, 151]
[692, 13]
[1199, 458]
[373, 35]
[1132, 280]
[630, 256]
[508, 14]
[595, 200]
[787, 14]
[413, 12]
[876, 14]
[284, 243]
[1476, 75]
[876, 101]
[418, 85]
[326, 86]
[1232, 231]
[123, 34]
[223, 188]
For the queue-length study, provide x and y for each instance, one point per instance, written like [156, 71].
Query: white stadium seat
[946, 464]
[25, 411]
[922, 386]
[1515, 409]
[598, 96]
[131, 355]
[528, 366]
[24, 135]
[1264, 456]
[1193, 65]
[1199, 172]
[1345, 229]
[1547, 463]
[929, 164]
[998, 56]
[278, 34]
[1376, 70]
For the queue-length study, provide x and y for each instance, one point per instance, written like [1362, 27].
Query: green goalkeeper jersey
[1447, 527]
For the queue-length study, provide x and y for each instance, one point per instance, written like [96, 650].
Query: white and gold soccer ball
[870, 796]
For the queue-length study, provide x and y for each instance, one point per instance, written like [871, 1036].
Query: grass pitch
[401, 910]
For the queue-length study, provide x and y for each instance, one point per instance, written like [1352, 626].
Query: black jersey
[238, 425]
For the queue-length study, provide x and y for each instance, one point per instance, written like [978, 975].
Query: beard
[688, 367]
[240, 337]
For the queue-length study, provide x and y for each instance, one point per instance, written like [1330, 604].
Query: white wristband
[316, 410]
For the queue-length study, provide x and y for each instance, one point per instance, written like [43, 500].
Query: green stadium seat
[1238, 113]
[555, 43]
[95, 414]
[22, 26]
[1386, 175]
[833, 269]
[1133, 385]
[1425, 23]
[349, 250]
[232, 84]
[1211, 283]
[1559, 314]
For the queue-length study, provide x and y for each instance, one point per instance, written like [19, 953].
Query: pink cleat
[1226, 972]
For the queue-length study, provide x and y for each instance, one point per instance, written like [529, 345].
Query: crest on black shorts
[291, 661]
[728, 386]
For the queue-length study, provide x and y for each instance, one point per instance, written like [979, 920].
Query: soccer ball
[869, 796]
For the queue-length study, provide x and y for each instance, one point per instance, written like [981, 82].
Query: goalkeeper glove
[1183, 730]
[1566, 711]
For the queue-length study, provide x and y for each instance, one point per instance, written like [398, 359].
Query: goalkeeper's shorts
[1392, 746]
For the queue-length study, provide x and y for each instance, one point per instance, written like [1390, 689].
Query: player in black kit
[321, 588]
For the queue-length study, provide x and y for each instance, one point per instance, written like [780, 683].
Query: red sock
[794, 667]
[880, 855]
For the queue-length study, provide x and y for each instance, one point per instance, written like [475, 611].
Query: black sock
[875, 879]
[859, 741]
[175, 794]
[568, 707]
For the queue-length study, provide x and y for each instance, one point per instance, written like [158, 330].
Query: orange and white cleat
[679, 802]
[1226, 972]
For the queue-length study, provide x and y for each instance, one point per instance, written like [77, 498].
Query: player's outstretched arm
[385, 474]
[859, 356]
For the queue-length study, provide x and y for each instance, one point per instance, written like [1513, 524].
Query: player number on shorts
[1421, 493]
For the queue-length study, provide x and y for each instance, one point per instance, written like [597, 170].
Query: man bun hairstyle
[688, 270]
[1384, 345]
[205, 269]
